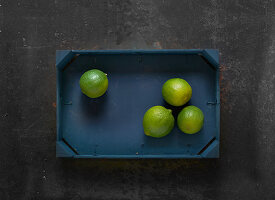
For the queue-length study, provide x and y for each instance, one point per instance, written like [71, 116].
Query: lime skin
[176, 91]
[158, 122]
[190, 120]
[93, 83]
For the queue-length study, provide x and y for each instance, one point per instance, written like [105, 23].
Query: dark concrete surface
[31, 31]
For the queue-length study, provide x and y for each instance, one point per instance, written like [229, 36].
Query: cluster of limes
[158, 121]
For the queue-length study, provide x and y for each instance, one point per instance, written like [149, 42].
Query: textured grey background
[31, 31]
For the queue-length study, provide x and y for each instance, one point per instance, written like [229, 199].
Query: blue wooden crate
[111, 126]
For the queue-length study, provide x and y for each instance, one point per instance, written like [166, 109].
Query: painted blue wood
[63, 57]
[163, 156]
[130, 51]
[212, 55]
[212, 151]
[111, 126]
[62, 150]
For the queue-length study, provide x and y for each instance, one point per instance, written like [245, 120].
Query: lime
[190, 120]
[176, 91]
[93, 83]
[158, 122]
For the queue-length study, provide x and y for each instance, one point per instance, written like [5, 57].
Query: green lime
[93, 83]
[176, 91]
[190, 120]
[158, 122]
